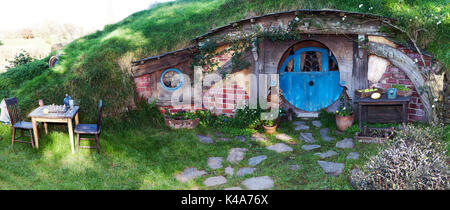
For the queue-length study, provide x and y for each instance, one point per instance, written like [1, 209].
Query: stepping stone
[235, 155]
[205, 139]
[307, 137]
[330, 168]
[244, 171]
[258, 183]
[229, 171]
[222, 139]
[294, 167]
[215, 162]
[317, 123]
[353, 155]
[283, 137]
[233, 188]
[301, 127]
[297, 123]
[324, 134]
[259, 137]
[280, 147]
[218, 134]
[256, 160]
[240, 138]
[189, 174]
[214, 181]
[310, 147]
[346, 143]
[326, 154]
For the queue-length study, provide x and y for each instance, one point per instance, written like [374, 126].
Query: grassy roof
[96, 66]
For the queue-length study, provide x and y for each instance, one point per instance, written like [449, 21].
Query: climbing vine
[241, 43]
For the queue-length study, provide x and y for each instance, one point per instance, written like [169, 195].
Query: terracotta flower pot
[270, 130]
[343, 122]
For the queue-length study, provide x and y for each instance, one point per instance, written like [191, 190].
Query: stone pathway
[345, 144]
[317, 123]
[259, 137]
[324, 134]
[294, 167]
[280, 147]
[229, 171]
[307, 137]
[327, 154]
[258, 183]
[353, 155]
[205, 139]
[189, 174]
[330, 168]
[215, 162]
[235, 155]
[244, 171]
[233, 188]
[256, 160]
[240, 138]
[310, 147]
[283, 137]
[214, 181]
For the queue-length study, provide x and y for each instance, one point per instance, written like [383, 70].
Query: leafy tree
[21, 58]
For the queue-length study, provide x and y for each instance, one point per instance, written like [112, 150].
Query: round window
[172, 79]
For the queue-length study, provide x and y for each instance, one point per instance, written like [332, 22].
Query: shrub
[414, 160]
[14, 77]
[21, 58]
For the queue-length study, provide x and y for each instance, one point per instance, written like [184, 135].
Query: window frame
[179, 84]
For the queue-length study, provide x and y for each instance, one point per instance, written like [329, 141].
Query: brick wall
[394, 75]
[218, 100]
[225, 100]
[143, 86]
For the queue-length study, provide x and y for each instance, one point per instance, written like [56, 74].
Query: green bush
[414, 160]
[20, 59]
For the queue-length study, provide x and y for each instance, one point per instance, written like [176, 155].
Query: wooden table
[38, 116]
[400, 100]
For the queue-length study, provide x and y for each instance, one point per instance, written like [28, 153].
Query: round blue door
[309, 79]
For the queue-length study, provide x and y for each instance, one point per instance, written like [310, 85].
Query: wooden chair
[17, 122]
[90, 129]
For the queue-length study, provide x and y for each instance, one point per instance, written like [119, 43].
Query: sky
[90, 14]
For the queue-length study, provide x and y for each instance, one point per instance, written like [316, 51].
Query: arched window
[310, 59]
[171, 79]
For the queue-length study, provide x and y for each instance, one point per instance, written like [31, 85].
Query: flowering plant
[345, 108]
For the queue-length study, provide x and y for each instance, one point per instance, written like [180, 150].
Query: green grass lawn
[142, 156]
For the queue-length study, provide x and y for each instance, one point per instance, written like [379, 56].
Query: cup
[41, 103]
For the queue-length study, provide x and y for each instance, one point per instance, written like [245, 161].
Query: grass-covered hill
[97, 66]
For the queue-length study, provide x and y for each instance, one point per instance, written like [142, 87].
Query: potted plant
[269, 126]
[181, 119]
[344, 115]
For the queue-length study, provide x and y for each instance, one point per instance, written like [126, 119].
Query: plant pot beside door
[344, 115]
[269, 126]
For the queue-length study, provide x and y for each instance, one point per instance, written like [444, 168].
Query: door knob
[311, 83]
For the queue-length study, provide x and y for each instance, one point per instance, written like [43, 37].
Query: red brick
[230, 111]
[241, 92]
[391, 81]
[411, 111]
[413, 117]
[398, 76]
[387, 75]
[405, 82]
